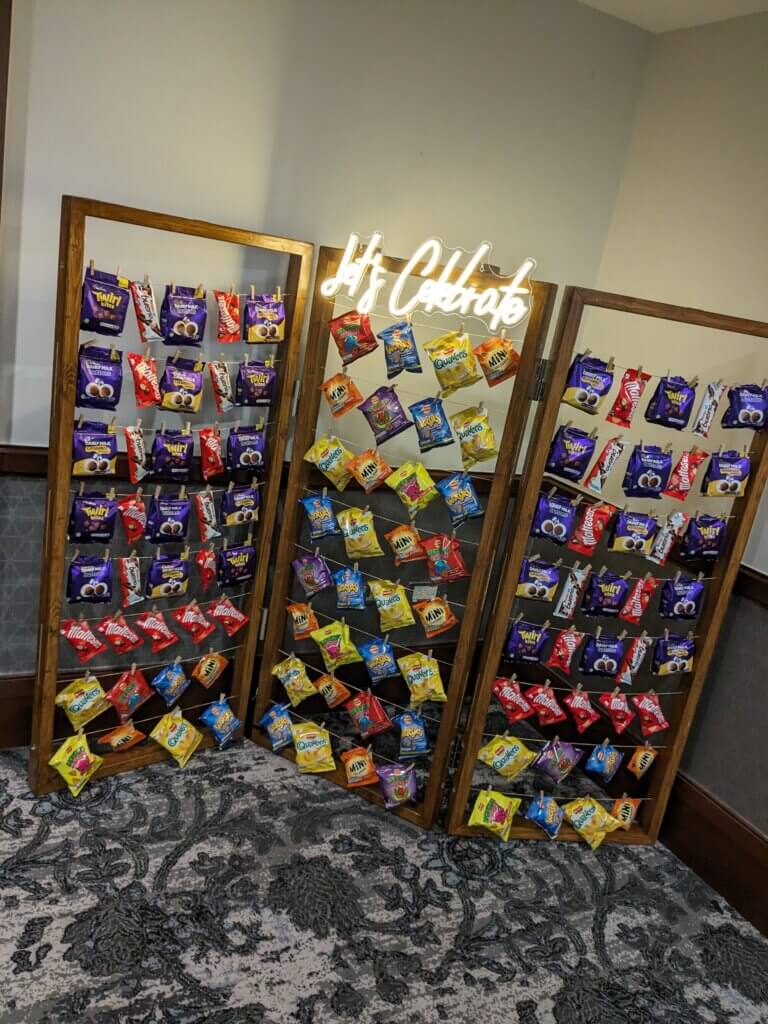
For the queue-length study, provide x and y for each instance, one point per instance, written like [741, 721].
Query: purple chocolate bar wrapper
[647, 472]
[239, 505]
[604, 594]
[704, 538]
[168, 576]
[747, 407]
[167, 520]
[89, 580]
[99, 377]
[255, 384]
[313, 574]
[526, 641]
[555, 518]
[246, 449]
[570, 453]
[183, 316]
[94, 450]
[671, 403]
[681, 598]
[172, 455]
[601, 655]
[92, 519]
[386, 416]
[105, 303]
[235, 565]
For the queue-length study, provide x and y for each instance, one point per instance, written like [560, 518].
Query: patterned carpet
[237, 892]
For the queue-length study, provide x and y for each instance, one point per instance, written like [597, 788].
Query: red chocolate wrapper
[205, 559]
[133, 515]
[593, 522]
[154, 626]
[630, 392]
[129, 573]
[118, 633]
[146, 384]
[206, 516]
[513, 702]
[652, 718]
[684, 473]
[633, 659]
[211, 460]
[229, 617]
[566, 644]
[638, 599]
[84, 641]
[619, 711]
[228, 308]
[136, 451]
[191, 619]
[544, 702]
[580, 706]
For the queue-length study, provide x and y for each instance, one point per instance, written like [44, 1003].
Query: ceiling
[667, 15]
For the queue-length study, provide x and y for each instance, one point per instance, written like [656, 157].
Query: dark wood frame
[300, 474]
[662, 778]
[74, 213]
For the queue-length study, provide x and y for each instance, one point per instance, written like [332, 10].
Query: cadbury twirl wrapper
[400, 351]
[681, 598]
[264, 319]
[747, 407]
[99, 377]
[554, 518]
[89, 580]
[172, 452]
[168, 520]
[704, 538]
[386, 416]
[705, 416]
[589, 381]
[630, 392]
[647, 472]
[105, 302]
[239, 505]
[431, 423]
[92, 519]
[633, 533]
[671, 403]
[673, 654]
[526, 641]
[606, 460]
[94, 449]
[633, 659]
[255, 384]
[604, 594]
[684, 473]
[601, 655]
[145, 307]
[168, 576]
[246, 448]
[570, 453]
[181, 385]
[538, 580]
[726, 475]
[671, 529]
[593, 522]
[235, 565]
[183, 314]
[569, 597]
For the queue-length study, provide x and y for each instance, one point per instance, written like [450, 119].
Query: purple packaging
[398, 784]
[589, 381]
[726, 475]
[704, 538]
[570, 453]
[255, 384]
[538, 580]
[431, 424]
[105, 302]
[557, 759]
[239, 505]
[605, 594]
[172, 452]
[747, 406]
[647, 472]
[312, 573]
[681, 598]
[167, 520]
[99, 377]
[181, 385]
[94, 449]
[673, 654]
[554, 518]
[386, 416]
[671, 403]
[235, 565]
[89, 580]
[168, 576]
[182, 315]
[246, 448]
[526, 641]
[634, 533]
[264, 319]
[601, 655]
[92, 519]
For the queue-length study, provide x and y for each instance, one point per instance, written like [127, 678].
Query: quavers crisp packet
[359, 533]
[391, 601]
[209, 668]
[398, 784]
[379, 657]
[570, 453]
[276, 722]
[498, 360]
[222, 721]
[432, 426]
[331, 458]
[747, 406]
[445, 561]
[641, 760]
[589, 381]
[303, 620]
[359, 767]
[312, 745]
[178, 736]
[82, 700]
[422, 676]
[335, 645]
[75, 763]
[458, 493]
[625, 811]
[341, 393]
[405, 542]
[368, 714]
[605, 760]
[413, 735]
[545, 812]
[332, 690]
[94, 449]
[320, 516]
[400, 352]
[453, 361]
[494, 811]
[353, 336]
[435, 615]
[292, 673]
[413, 485]
[385, 414]
[476, 438]
[350, 588]
[506, 755]
[369, 469]
[590, 819]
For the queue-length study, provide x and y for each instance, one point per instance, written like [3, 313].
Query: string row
[344, 740]
[133, 615]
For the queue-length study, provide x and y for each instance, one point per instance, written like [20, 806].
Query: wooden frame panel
[300, 474]
[744, 510]
[74, 213]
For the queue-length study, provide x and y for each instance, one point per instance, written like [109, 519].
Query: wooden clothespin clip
[199, 291]
[81, 488]
[623, 634]
[598, 632]
[173, 287]
[252, 291]
[230, 488]
[91, 266]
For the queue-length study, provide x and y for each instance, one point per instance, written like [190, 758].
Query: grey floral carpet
[238, 892]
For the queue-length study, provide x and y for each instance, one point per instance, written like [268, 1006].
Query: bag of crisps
[292, 673]
[332, 690]
[359, 532]
[498, 360]
[178, 736]
[331, 458]
[82, 700]
[391, 601]
[494, 811]
[590, 819]
[359, 767]
[75, 763]
[453, 361]
[475, 435]
[313, 748]
[341, 393]
[369, 469]
[303, 620]
[435, 615]
[422, 676]
[413, 485]
[276, 722]
[506, 755]
[335, 645]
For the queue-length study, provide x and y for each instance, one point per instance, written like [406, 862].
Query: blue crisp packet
[413, 735]
[547, 814]
[432, 425]
[605, 760]
[747, 407]
[555, 517]
[170, 682]
[220, 719]
[400, 351]
[526, 641]
[458, 493]
[379, 658]
[570, 453]
[321, 517]
[350, 588]
[277, 724]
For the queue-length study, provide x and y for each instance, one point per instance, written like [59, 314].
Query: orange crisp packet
[331, 689]
[303, 619]
[498, 360]
[209, 668]
[359, 767]
[341, 393]
[369, 469]
[435, 615]
[405, 541]
[625, 811]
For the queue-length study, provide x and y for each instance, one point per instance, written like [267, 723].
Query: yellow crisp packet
[313, 747]
[506, 755]
[391, 601]
[75, 763]
[178, 736]
[494, 811]
[359, 533]
[82, 700]
[590, 819]
[453, 361]
[475, 435]
[413, 485]
[292, 673]
[331, 458]
[335, 646]
[422, 676]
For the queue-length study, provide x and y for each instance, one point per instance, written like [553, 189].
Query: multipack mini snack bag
[631, 388]
[320, 516]
[498, 360]
[453, 361]
[589, 381]
[82, 700]
[526, 641]
[413, 485]
[359, 533]
[104, 302]
[476, 438]
[647, 472]
[400, 351]
[292, 673]
[391, 602]
[369, 469]
[341, 393]
[368, 714]
[538, 580]
[75, 763]
[145, 307]
[99, 377]
[264, 318]
[641, 760]
[506, 755]
[331, 689]
[458, 492]
[385, 414]
[350, 588]
[405, 541]
[228, 310]
[172, 452]
[209, 668]
[435, 615]
[590, 819]
[183, 314]
[422, 676]
[671, 403]
[625, 810]
[353, 336]
[331, 458]
[747, 407]
[570, 453]
[554, 518]
[92, 518]
[122, 737]
[222, 721]
[255, 383]
[181, 386]
[94, 449]
[178, 736]
[726, 475]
